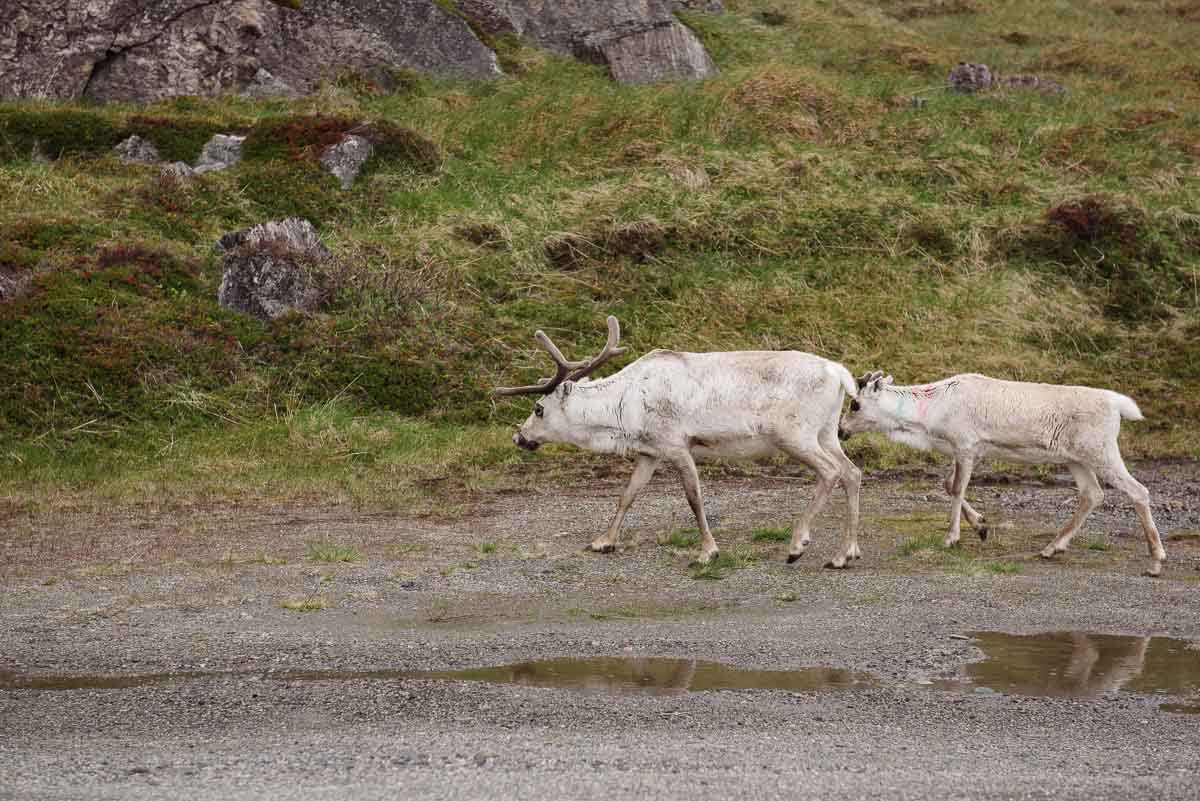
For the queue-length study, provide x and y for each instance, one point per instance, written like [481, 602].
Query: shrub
[56, 133]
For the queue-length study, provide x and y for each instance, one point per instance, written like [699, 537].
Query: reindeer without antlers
[970, 417]
[677, 407]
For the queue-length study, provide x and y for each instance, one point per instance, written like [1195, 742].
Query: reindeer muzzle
[528, 444]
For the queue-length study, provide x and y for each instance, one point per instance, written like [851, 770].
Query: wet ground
[210, 653]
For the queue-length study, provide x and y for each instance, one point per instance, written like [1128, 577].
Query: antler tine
[564, 367]
[610, 350]
[547, 385]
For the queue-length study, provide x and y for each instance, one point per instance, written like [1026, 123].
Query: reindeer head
[865, 412]
[549, 421]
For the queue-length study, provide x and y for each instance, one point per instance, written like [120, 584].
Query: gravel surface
[199, 590]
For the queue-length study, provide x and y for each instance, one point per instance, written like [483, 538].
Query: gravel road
[500, 578]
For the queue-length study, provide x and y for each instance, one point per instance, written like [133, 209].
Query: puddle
[653, 676]
[1061, 664]
[1079, 664]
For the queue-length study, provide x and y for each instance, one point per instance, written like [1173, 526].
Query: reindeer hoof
[601, 549]
[833, 564]
[1154, 571]
[983, 532]
[794, 557]
[1048, 552]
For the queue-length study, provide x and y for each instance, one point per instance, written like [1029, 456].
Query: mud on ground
[203, 590]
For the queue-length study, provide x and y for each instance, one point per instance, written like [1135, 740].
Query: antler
[610, 350]
[564, 368]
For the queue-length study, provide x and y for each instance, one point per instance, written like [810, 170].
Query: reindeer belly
[710, 449]
[1024, 454]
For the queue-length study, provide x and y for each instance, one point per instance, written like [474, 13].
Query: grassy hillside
[800, 199]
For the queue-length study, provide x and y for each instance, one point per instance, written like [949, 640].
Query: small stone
[136, 150]
[220, 152]
[346, 159]
[969, 77]
[177, 171]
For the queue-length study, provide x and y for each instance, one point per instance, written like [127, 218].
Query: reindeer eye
[855, 406]
[538, 410]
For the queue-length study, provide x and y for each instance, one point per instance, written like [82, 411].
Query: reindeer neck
[911, 405]
[596, 411]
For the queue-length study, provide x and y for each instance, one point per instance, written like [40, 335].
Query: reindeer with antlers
[677, 407]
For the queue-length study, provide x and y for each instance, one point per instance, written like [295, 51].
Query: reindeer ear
[868, 377]
[566, 388]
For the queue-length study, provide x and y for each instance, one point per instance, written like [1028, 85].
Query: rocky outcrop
[148, 49]
[638, 40]
[273, 269]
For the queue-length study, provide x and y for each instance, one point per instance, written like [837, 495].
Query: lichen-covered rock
[143, 50]
[136, 150]
[148, 49]
[14, 284]
[969, 78]
[977, 77]
[219, 153]
[707, 6]
[638, 40]
[273, 269]
[346, 159]
[658, 53]
[176, 171]
[1031, 82]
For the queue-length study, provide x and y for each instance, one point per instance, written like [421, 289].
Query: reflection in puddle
[660, 676]
[605, 674]
[1078, 664]
[1062, 664]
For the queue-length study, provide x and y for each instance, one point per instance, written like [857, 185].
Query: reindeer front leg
[691, 487]
[963, 465]
[642, 473]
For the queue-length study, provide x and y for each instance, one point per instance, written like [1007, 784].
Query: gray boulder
[346, 159]
[273, 269]
[136, 150]
[219, 153]
[638, 40]
[147, 49]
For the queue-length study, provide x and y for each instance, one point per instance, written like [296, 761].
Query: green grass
[306, 603]
[487, 547]
[331, 552]
[682, 539]
[728, 561]
[932, 542]
[772, 534]
[928, 548]
[795, 200]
